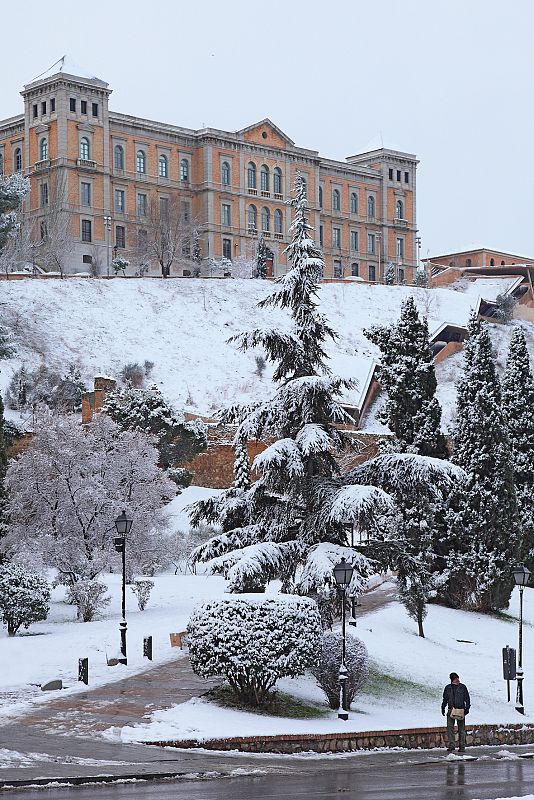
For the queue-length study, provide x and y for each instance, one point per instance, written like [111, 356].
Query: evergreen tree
[389, 274]
[291, 524]
[482, 515]
[3, 470]
[408, 377]
[241, 465]
[261, 258]
[518, 405]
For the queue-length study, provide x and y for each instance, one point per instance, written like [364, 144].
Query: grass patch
[382, 684]
[279, 704]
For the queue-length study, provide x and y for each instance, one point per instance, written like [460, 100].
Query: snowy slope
[183, 326]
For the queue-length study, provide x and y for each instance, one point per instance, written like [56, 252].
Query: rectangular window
[164, 206]
[142, 240]
[43, 107]
[321, 235]
[120, 236]
[227, 248]
[34, 111]
[354, 270]
[390, 174]
[406, 177]
[226, 214]
[398, 174]
[372, 272]
[141, 205]
[338, 270]
[44, 194]
[86, 194]
[354, 241]
[336, 237]
[87, 235]
[400, 247]
[401, 275]
[120, 200]
[371, 243]
[43, 231]
[72, 104]
[52, 104]
[83, 106]
[186, 211]
[94, 107]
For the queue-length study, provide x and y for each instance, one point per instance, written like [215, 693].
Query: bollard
[83, 670]
[147, 647]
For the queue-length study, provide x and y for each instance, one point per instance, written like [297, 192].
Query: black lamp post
[521, 577]
[123, 525]
[342, 575]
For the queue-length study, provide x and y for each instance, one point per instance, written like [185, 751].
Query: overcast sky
[451, 81]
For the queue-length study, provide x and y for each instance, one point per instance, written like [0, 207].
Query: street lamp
[342, 575]
[107, 228]
[521, 577]
[123, 525]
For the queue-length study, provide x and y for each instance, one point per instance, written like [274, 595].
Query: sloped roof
[271, 124]
[67, 66]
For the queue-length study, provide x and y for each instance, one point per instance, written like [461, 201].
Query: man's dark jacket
[455, 695]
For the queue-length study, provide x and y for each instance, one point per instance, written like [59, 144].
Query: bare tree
[19, 250]
[55, 229]
[170, 234]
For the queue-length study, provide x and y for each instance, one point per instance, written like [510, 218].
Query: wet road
[484, 780]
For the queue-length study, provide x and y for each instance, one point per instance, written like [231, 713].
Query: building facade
[473, 259]
[112, 173]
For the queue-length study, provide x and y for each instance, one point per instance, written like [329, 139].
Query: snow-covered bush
[142, 588]
[24, 597]
[120, 264]
[505, 308]
[28, 389]
[254, 641]
[181, 476]
[326, 671]
[89, 598]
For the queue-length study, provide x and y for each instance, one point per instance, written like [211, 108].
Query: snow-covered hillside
[183, 327]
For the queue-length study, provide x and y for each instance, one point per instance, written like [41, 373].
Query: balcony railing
[86, 163]
[278, 196]
[400, 223]
[265, 193]
[252, 191]
[43, 164]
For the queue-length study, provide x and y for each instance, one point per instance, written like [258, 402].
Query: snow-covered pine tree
[517, 404]
[483, 524]
[3, 470]
[389, 274]
[13, 189]
[261, 258]
[408, 378]
[241, 465]
[291, 524]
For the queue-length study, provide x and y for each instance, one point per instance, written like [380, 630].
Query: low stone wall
[411, 738]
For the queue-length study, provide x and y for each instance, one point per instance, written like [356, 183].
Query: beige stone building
[112, 173]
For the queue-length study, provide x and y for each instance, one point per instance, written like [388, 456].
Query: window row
[17, 160]
[265, 215]
[372, 241]
[398, 175]
[353, 202]
[141, 161]
[265, 178]
[44, 108]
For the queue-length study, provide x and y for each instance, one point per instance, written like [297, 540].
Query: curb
[81, 780]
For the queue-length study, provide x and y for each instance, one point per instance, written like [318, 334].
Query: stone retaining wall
[412, 738]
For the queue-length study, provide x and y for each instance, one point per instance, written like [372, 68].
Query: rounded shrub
[326, 669]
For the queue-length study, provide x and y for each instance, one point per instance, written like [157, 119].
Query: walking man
[457, 702]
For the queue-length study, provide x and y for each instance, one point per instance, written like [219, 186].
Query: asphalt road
[439, 780]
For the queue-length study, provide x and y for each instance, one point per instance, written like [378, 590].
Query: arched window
[252, 217]
[353, 203]
[118, 156]
[251, 175]
[336, 200]
[43, 149]
[320, 196]
[17, 160]
[467, 262]
[225, 173]
[184, 169]
[265, 219]
[84, 148]
[264, 178]
[502, 263]
[277, 180]
[163, 166]
[140, 161]
[399, 210]
[492, 262]
[278, 221]
[371, 206]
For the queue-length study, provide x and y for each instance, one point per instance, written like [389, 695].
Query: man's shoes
[462, 751]
[450, 749]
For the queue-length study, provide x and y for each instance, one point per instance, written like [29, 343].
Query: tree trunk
[420, 610]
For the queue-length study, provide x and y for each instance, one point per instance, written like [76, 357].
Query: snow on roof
[69, 67]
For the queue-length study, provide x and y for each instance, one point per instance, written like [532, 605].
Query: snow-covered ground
[182, 326]
[407, 679]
